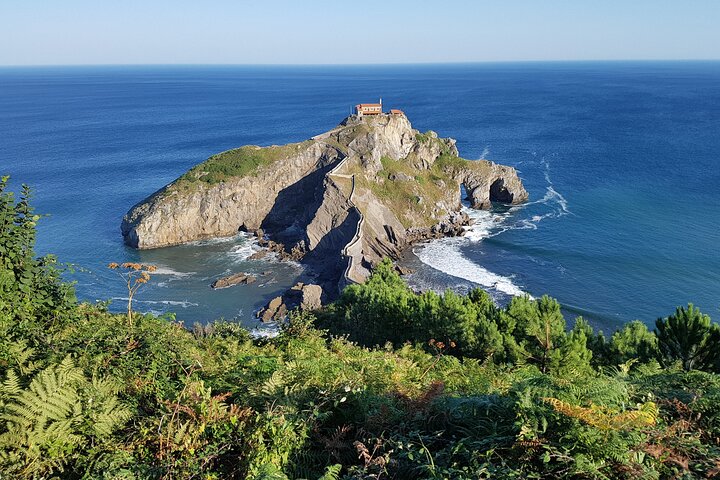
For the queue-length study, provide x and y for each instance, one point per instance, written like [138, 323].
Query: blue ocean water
[622, 162]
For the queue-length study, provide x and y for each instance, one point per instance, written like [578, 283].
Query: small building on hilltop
[368, 108]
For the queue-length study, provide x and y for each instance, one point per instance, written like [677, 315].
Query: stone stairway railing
[348, 277]
[350, 255]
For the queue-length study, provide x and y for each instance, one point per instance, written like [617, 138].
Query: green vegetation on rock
[408, 192]
[423, 137]
[384, 383]
[239, 162]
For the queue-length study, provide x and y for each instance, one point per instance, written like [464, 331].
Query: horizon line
[363, 64]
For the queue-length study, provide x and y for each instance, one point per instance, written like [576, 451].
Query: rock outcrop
[338, 202]
[302, 295]
[234, 279]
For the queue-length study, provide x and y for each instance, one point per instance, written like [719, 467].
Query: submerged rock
[235, 279]
[259, 255]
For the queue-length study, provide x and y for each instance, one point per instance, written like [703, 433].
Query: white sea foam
[558, 207]
[240, 253]
[272, 281]
[169, 275]
[446, 255]
[175, 303]
[216, 241]
[485, 153]
[552, 195]
[483, 222]
[163, 270]
[266, 331]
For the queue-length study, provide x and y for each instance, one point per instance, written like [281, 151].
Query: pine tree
[633, 342]
[690, 338]
[540, 328]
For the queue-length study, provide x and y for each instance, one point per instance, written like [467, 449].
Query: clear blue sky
[42, 32]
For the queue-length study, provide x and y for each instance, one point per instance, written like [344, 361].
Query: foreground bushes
[527, 331]
[392, 385]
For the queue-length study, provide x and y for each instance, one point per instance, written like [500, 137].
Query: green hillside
[382, 384]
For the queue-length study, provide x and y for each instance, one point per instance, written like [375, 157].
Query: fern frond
[274, 383]
[332, 473]
[11, 386]
[608, 419]
[46, 423]
[22, 354]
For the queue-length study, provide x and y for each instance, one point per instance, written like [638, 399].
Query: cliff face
[340, 201]
[192, 209]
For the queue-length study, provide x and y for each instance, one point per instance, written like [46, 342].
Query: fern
[275, 383]
[22, 356]
[268, 472]
[332, 473]
[106, 411]
[61, 411]
[10, 387]
[607, 419]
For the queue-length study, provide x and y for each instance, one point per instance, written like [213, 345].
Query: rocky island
[338, 202]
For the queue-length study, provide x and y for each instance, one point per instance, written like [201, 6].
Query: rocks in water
[260, 254]
[274, 310]
[497, 183]
[453, 225]
[296, 253]
[450, 226]
[306, 296]
[301, 295]
[234, 279]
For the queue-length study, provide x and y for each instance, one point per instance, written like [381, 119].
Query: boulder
[273, 310]
[400, 177]
[301, 295]
[235, 279]
[311, 297]
[260, 254]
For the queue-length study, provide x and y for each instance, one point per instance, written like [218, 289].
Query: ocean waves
[448, 255]
[174, 303]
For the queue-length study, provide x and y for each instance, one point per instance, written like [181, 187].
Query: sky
[90, 32]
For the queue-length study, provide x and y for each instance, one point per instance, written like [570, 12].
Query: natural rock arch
[500, 193]
[482, 190]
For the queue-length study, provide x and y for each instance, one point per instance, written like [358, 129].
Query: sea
[621, 160]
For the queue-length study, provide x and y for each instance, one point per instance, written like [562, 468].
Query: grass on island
[411, 199]
[414, 199]
[239, 162]
[425, 137]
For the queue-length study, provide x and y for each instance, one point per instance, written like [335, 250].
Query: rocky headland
[338, 202]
